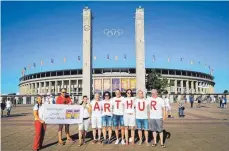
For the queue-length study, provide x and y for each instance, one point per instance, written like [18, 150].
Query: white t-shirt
[8, 104]
[156, 105]
[167, 102]
[96, 108]
[118, 107]
[40, 110]
[129, 105]
[85, 111]
[107, 108]
[141, 107]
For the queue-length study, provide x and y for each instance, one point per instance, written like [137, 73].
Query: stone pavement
[202, 129]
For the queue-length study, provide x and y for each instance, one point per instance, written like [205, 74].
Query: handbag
[183, 108]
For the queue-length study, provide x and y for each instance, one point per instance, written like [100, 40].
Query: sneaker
[117, 142]
[123, 142]
[105, 141]
[109, 142]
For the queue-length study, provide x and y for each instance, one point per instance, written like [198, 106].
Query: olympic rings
[113, 32]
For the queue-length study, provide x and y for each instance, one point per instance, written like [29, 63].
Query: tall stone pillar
[182, 86]
[140, 49]
[87, 50]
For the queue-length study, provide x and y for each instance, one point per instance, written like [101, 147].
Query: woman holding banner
[83, 127]
[39, 124]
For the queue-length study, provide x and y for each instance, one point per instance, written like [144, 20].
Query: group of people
[125, 113]
[8, 105]
[223, 102]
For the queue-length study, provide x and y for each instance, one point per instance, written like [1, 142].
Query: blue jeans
[118, 120]
[142, 124]
[181, 112]
[106, 121]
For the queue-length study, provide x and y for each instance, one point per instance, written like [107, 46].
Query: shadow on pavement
[15, 115]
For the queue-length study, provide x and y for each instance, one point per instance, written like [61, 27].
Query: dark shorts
[142, 124]
[156, 125]
[106, 121]
[118, 120]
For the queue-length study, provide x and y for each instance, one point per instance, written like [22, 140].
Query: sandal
[60, 143]
[99, 142]
[153, 145]
[94, 141]
[163, 146]
[70, 141]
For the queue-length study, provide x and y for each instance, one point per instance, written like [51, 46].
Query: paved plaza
[202, 129]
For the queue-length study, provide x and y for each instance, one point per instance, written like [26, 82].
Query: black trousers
[191, 104]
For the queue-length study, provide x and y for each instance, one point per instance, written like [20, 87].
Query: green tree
[154, 80]
[225, 91]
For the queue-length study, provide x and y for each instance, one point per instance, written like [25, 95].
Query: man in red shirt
[62, 99]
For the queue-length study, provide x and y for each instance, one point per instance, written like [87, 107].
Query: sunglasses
[106, 95]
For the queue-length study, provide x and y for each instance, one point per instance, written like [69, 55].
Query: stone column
[39, 91]
[69, 86]
[45, 87]
[35, 87]
[87, 50]
[197, 91]
[175, 86]
[169, 88]
[140, 49]
[192, 86]
[50, 83]
[187, 87]
[182, 86]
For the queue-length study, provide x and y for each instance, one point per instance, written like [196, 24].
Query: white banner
[63, 114]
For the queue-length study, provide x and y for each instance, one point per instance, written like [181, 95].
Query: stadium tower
[140, 49]
[87, 49]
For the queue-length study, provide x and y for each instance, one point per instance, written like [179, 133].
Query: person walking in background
[157, 116]
[199, 102]
[181, 107]
[191, 99]
[168, 106]
[107, 117]
[83, 127]
[3, 106]
[220, 102]
[64, 99]
[129, 115]
[96, 121]
[118, 111]
[39, 124]
[8, 106]
[14, 102]
[142, 109]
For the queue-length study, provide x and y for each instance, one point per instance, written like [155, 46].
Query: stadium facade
[87, 81]
[109, 79]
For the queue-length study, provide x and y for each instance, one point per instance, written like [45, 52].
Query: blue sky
[35, 31]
